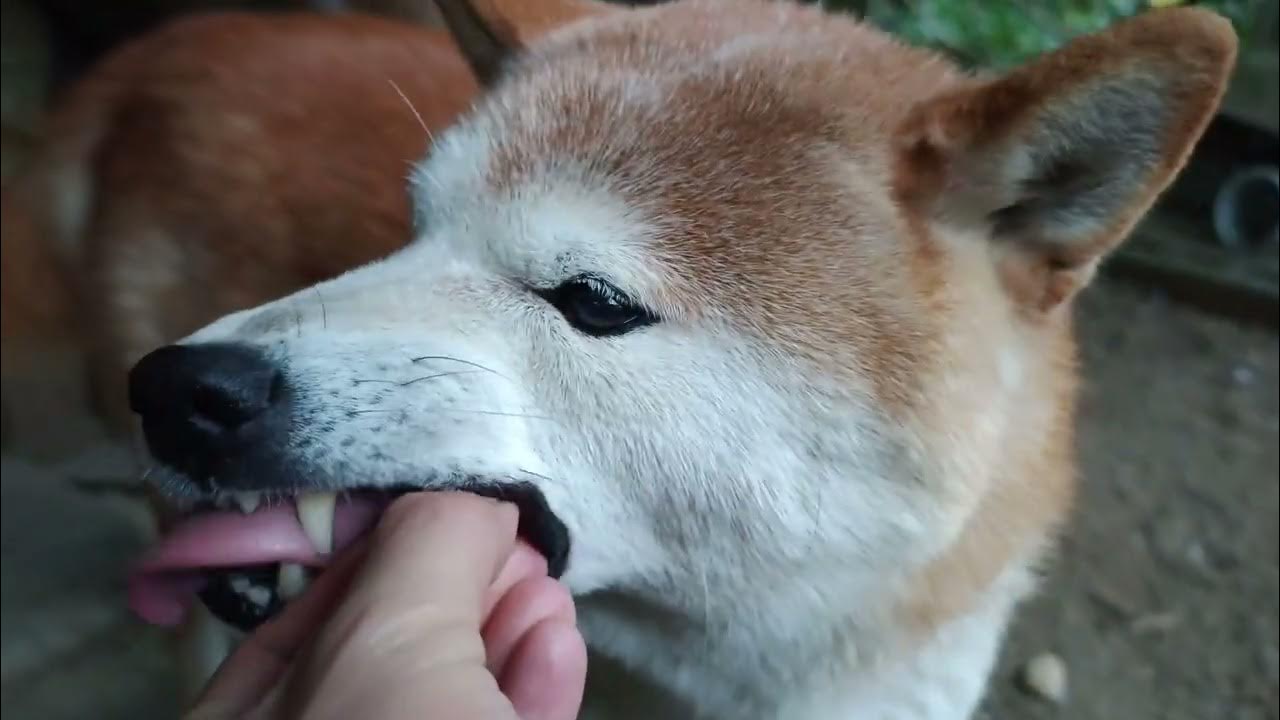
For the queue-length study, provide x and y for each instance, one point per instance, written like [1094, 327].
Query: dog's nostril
[203, 406]
[217, 387]
[228, 406]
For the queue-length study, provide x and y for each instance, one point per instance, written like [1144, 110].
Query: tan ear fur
[1059, 159]
[491, 32]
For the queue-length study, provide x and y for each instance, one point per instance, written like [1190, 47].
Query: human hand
[440, 613]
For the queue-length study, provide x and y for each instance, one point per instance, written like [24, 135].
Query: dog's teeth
[245, 587]
[248, 501]
[291, 581]
[315, 512]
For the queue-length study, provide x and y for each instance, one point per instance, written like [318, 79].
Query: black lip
[539, 526]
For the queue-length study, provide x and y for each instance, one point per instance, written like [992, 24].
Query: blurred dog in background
[207, 165]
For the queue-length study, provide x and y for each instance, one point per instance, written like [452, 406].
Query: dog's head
[743, 292]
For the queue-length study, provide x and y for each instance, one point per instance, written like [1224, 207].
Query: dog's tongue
[163, 585]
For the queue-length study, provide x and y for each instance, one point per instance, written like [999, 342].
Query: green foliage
[1000, 33]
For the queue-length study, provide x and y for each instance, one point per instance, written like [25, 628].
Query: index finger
[244, 679]
[282, 636]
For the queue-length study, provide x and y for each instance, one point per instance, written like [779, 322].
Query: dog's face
[593, 332]
[746, 292]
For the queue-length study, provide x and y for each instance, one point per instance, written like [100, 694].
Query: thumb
[406, 639]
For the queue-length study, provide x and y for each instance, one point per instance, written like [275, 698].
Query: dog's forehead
[739, 151]
[688, 109]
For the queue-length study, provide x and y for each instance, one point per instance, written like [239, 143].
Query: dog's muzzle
[218, 417]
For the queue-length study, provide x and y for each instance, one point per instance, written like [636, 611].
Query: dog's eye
[597, 308]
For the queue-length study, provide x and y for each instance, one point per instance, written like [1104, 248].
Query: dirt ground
[1162, 603]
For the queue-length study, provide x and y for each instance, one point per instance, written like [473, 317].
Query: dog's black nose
[204, 406]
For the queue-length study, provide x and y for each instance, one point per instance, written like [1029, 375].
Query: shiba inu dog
[760, 316]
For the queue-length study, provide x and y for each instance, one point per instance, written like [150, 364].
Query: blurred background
[1163, 602]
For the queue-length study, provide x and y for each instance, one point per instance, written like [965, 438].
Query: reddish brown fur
[1035, 490]
[853, 271]
[230, 159]
[759, 127]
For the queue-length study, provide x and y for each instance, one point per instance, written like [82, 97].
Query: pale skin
[441, 613]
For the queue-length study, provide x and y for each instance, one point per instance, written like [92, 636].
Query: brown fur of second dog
[211, 165]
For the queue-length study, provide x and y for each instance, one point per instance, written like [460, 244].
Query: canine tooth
[248, 501]
[291, 581]
[315, 512]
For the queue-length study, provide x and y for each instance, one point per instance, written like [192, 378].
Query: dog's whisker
[459, 360]
[413, 110]
[324, 310]
[534, 474]
[411, 381]
[496, 412]
[468, 411]
[170, 484]
[407, 383]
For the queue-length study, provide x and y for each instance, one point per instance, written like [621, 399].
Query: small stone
[1197, 556]
[1242, 375]
[1045, 676]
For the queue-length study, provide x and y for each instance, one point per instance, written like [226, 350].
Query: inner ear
[1081, 165]
[1058, 160]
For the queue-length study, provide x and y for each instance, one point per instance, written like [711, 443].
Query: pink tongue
[163, 585]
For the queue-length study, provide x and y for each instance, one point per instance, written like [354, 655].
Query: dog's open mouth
[245, 562]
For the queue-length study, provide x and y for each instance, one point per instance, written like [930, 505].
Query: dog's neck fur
[914, 642]
[790, 659]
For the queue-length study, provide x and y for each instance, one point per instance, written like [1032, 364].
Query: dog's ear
[1057, 160]
[490, 32]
